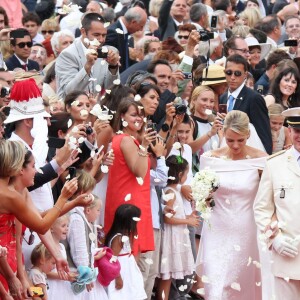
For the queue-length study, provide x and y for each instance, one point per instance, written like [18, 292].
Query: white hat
[265, 47]
[26, 102]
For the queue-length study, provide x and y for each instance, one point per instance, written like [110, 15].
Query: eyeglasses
[242, 50]
[293, 26]
[183, 37]
[23, 44]
[236, 73]
[31, 238]
[48, 31]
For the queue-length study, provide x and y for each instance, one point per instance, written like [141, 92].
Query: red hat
[26, 102]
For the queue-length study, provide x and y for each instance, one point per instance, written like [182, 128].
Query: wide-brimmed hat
[264, 47]
[26, 102]
[292, 117]
[213, 74]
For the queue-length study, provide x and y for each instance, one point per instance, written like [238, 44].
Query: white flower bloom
[117, 82]
[127, 197]
[137, 97]
[168, 197]
[84, 112]
[70, 123]
[104, 169]
[236, 286]
[177, 145]
[136, 219]
[140, 180]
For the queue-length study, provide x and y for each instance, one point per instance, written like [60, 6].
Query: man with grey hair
[61, 40]
[199, 16]
[215, 49]
[117, 34]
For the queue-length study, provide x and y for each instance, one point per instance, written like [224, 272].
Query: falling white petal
[104, 169]
[177, 145]
[81, 139]
[68, 177]
[136, 237]
[118, 30]
[117, 82]
[124, 123]
[149, 261]
[201, 291]
[164, 260]
[208, 111]
[75, 103]
[127, 197]
[236, 286]
[157, 180]
[237, 247]
[168, 197]
[113, 259]
[137, 124]
[142, 148]
[140, 180]
[171, 178]
[98, 88]
[249, 261]
[186, 231]
[137, 97]
[287, 279]
[106, 24]
[124, 238]
[93, 153]
[258, 283]
[92, 79]
[182, 288]
[169, 215]
[108, 91]
[86, 41]
[84, 112]
[227, 201]
[70, 123]
[205, 279]
[268, 233]
[136, 219]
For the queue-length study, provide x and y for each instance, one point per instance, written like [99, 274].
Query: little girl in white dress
[129, 285]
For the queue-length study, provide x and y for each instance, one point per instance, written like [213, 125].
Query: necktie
[24, 67]
[126, 50]
[230, 103]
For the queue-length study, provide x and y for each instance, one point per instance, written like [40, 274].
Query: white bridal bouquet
[204, 183]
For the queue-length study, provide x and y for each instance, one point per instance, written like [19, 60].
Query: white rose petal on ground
[237, 247]
[140, 180]
[104, 169]
[205, 279]
[236, 286]
[127, 197]
[84, 112]
[98, 88]
[177, 145]
[124, 123]
[70, 123]
[182, 288]
[116, 82]
[149, 261]
[124, 238]
[136, 219]
[201, 291]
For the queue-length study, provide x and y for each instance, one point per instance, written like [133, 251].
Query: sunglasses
[183, 37]
[47, 31]
[23, 44]
[236, 73]
[31, 238]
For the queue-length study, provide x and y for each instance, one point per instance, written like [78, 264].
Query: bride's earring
[124, 123]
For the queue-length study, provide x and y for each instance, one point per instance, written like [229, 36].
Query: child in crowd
[177, 257]
[43, 262]
[59, 288]
[280, 134]
[120, 238]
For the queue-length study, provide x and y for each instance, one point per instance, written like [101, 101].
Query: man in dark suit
[117, 34]
[21, 44]
[240, 97]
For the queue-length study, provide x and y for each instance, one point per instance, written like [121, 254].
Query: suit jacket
[166, 24]
[13, 63]
[118, 41]
[281, 172]
[71, 74]
[254, 105]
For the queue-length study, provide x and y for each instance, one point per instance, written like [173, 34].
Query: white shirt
[297, 155]
[38, 39]
[235, 93]
[21, 61]
[125, 31]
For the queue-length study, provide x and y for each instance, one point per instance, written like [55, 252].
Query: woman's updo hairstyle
[237, 121]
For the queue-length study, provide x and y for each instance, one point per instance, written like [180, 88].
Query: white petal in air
[92, 153]
[208, 111]
[236, 286]
[201, 291]
[124, 123]
[177, 145]
[70, 123]
[237, 248]
[136, 237]
[108, 91]
[68, 177]
[86, 41]
[118, 30]
[140, 180]
[104, 169]
[84, 112]
[182, 288]
[157, 180]
[149, 261]
[164, 260]
[258, 283]
[168, 197]
[81, 140]
[92, 79]
[98, 88]
[137, 124]
[169, 215]
[116, 82]
[136, 219]
[75, 103]
[106, 24]
[249, 261]
[127, 197]
[137, 97]
[171, 178]
[124, 238]
[205, 279]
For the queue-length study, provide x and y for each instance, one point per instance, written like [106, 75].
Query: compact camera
[4, 91]
[205, 35]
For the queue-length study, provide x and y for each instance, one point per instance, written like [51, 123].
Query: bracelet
[113, 66]
[208, 133]
[142, 154]
[59, 209]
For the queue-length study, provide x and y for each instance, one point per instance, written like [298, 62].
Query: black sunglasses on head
[23, 44]
[47, 31]
[236, 73]
[183, 37]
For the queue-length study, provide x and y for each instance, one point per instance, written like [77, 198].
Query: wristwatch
[165, 127]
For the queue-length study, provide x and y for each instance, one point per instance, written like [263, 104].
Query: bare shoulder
[218, 152]
[256, 153]
[127, 141]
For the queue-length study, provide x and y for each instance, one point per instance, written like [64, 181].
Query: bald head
[135, 19]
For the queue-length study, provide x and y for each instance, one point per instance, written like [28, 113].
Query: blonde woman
[230, 237]
[250, 16]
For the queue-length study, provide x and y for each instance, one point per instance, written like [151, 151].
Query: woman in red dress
[129, 176]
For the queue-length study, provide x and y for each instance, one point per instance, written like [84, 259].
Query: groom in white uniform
[279, 196]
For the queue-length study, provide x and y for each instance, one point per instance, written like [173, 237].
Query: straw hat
[265, 47]
[26, 102]
[214, 74]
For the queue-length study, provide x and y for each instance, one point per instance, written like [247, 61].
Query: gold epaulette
[276, 154]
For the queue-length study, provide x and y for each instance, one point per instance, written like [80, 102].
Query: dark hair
[33, 17]
[20, 32]
[59, 121]
[187, 27]
[152, 65]
[230, 44]
[136, 78]
[122, 109]
[221, 4]
[259, 35]
[73, 96]
[50, 75]
[3, 12]
[268, 24]
[290, 17]
[253, 1]
[123, 222]
[275, 87]
[145, 87]
[237, 59]
[118, 92]
[171, 44]
[27, 158]
[89, 18]
[275, 57]
[2, 117]
[177, 165]
[168, 55]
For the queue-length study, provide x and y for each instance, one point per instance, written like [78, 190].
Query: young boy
[32, 22]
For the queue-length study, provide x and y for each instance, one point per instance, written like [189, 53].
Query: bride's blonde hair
[237, 121]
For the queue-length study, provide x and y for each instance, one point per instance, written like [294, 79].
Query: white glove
[285, 246]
